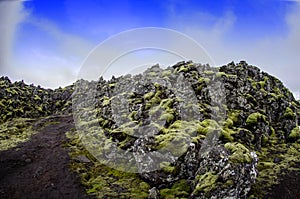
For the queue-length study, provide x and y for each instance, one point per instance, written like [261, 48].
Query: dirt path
[39, 168]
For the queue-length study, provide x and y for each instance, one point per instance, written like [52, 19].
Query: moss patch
[14, 132]
[254, 118]
[100, 180]
[206, 182]
[240, 154]
[180, 189]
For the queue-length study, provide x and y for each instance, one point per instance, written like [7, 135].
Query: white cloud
[69, 44]
[277, 55]
[11, 14]
[45, 68]
[298, 1]
[49, 66]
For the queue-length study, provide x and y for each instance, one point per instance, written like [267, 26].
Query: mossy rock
[206, 183]
[295, 134]
[180, 189]
[254, 118]
[240, 154]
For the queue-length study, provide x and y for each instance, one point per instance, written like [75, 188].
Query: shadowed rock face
[187, 131]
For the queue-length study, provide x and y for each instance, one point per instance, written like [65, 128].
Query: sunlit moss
[240, 154]
[295, 134]
[206, 182]
[254, 118]
[14, 132]
[289, 113]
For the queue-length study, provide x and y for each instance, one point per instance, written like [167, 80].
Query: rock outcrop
[193, 131]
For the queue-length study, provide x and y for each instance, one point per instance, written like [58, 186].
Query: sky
[46, 42]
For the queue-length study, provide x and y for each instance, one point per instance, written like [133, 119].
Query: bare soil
[39, 168]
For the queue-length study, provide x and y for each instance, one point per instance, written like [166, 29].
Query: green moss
[155, 100]
[112, 85]
[106, 101]
[207, 126]
[265, 165]
[166, 73]
[254, 118]
[89, 124]
[204, 80]
[58, 103]
[226, 135]
[132, 115]
[176, 138]
[228, 183]
[223, 74]
[228, 123]
[175, 142]
[3, 103]
[37, 98]
[11, 91]
[254, 84]
[180, 189]
[269, 171]
[206, 182]
[210, 122]
[68, 103]
[250, 98]
[152, 74]
[289, 113]
[183, 69]
[295, 134]
[234, 116]
[167, 103]
[149, 95]
[14, 132]
[127, 128]
[167, 168]
[240, 154]
[263, 83]
[169, 117]
[209, 72]
[40, 109]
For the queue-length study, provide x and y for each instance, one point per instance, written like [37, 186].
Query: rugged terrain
[187, 131]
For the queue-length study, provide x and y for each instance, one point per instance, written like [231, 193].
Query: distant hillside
[21, 100]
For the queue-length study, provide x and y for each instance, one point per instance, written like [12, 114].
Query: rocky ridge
[187, 131]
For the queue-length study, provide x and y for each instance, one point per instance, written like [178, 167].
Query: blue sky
[46, 41]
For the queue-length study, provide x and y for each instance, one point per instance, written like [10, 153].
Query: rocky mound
[187, 131]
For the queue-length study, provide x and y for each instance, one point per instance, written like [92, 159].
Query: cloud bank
[276, 54]
[11, 14]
